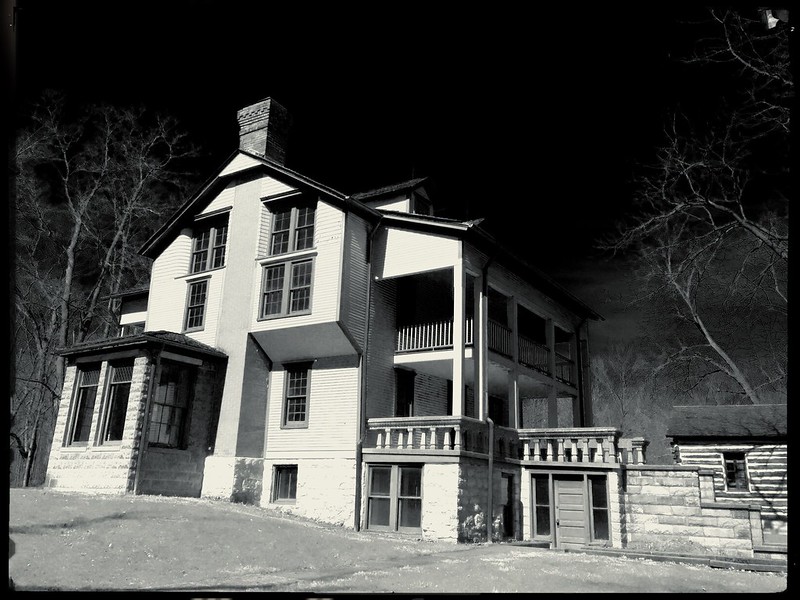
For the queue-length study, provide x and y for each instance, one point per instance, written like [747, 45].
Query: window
[282, 295]
[208, 245]
[541, 506]
[395, 498]
[116, 401]
[196, 305]
[285, 485]
[87, 379]
[170, 406]
[131, 328]
[404, 393]
[295, 412]
[735, 471]
[292, 229]
[598, 500]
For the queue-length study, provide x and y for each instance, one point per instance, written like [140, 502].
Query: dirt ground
[91, 543]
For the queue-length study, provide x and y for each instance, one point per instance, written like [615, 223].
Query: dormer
[407, 197]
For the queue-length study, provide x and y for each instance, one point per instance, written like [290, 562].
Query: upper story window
[295, 406]
[286, 289]
[196, 305]
[208, 244]
[292, 228]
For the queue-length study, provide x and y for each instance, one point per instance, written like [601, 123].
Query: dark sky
[531, 118]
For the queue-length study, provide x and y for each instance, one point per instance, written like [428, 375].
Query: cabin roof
[728, 421]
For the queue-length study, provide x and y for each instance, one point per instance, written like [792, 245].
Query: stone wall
[440, 485]
[106, 468]
[672, 509]
[473, 496]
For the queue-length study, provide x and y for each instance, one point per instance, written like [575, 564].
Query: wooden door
[570, 512]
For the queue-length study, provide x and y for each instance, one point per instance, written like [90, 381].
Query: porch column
[513, 375]
[482, 347]
[459, 310]
[552, 401]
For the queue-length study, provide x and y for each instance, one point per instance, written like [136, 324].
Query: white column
[459, 308]
[482, 345]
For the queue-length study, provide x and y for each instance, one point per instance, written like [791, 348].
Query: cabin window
[196, 305]
[87, 379]
[286, 289]
[170, 406]
[735, 471]
[208, 244]
[285, 483]
[295, 405]
[395, 498]
[292, 229]
[115, 404]
[404, 393]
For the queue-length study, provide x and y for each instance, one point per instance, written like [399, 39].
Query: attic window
[292, 228]
[208, 244]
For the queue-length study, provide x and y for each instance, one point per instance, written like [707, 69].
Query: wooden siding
[380, 354]
[328, 236]
[766, 471]
[240, 162]
[399, 204]
[355, 275]
[167, 290]
[511, 284]
[332, 405]
[400, 252]
[430, 396]
[223, 200]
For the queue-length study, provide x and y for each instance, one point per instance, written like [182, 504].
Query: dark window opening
[87, 379]
[404, 393]
[735, 471]
[116, 403]
[598, 491]
[169, 411]
[285, 483]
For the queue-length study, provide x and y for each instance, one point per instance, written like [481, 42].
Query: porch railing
[430, 336]
[449, 434]
[499, 338]
[534, 355]
[565, 368]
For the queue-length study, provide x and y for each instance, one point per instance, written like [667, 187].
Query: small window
[170, 406]
[208, 245]
[87, 379]
[116, 401]
[735, 471]
[286, 295]
[295, 412]
[292, 229]
[132, 328]
[394, 498]
[285, 486]
[598, 491]
[541, 505]
[196, 305]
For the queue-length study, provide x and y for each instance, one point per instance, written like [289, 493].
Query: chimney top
[264, 129]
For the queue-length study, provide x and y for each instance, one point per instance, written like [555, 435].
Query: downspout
[579, 368]
[148, 404]
[489, 494]
[362, 389]
[484, 404]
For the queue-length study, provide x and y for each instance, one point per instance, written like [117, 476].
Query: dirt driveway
[80, 542]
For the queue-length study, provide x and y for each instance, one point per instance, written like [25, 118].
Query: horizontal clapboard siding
[223, 200]
[168, 292]
[400, 252]
[328, 235]
[333, 400]
[240, 162]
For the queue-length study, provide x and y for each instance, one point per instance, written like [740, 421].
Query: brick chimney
[264, 129]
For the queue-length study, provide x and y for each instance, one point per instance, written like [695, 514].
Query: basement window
[598, 498]
[735, 471]
[395, 498]
[285, 484]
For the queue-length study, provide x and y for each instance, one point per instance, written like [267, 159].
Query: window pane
[542, 491]
[218, 257]
[301, 300]
[600, 524]
[287, 483]
[83, 413]
[118, 406]
[380, 481]
[378, 512]
[305, 238]
[410, 513]
[280, 232]
[542, 520]
[411, 481]
[599, 496]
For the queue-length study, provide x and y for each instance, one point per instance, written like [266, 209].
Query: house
[746, 448]
[358, 360]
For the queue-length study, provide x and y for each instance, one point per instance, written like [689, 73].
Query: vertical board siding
[355, 284]
[380, 350]
[400, 252]
[328, 236]
[332, 404]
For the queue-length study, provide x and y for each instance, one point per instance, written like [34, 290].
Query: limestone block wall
[672, 509]
[233, 478]
[473, 487]
[105, 468]
[325, 489]
[440, 485]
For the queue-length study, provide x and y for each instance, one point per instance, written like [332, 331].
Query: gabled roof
[388, 190]
[185, 214]
[168, 338]
[756, 421]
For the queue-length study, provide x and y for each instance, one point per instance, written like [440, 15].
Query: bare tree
[711, 230]
[89, 189]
